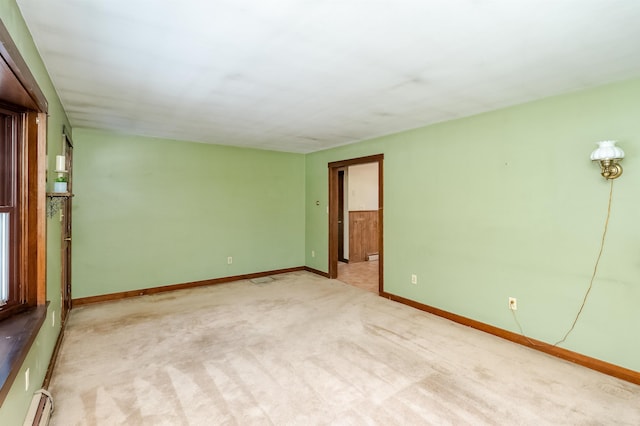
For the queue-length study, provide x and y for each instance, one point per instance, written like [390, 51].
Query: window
[12, 282]
[5, 259]
[23, 146]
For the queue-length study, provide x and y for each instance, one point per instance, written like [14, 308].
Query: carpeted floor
[304, 350]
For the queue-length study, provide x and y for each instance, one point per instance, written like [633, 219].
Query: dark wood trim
[29, 237]
[583, 360]
[153, 290]
[342, 220]
[18, 334]
[32, 201]
[13, 166]
[23, 328]
[34, 221]
[54, 357]
[333, 221]
[11, 55]
[316, 271]
[67, 134]
[41, 210]
[353, 161]
[334, 167]
[66, 229]
[380, 225]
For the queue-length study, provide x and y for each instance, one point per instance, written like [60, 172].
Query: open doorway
[66, 227]
[356, 221]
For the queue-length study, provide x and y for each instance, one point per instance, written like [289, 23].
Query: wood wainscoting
[363, 234]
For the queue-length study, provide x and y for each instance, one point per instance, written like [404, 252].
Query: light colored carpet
[304, 350]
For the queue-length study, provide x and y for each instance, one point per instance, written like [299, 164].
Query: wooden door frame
[334, 167]
[65, 245]
[340, 200]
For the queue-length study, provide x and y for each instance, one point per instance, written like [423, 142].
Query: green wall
[507, 203]
[151, 212]
[496, 205]
[18, 399]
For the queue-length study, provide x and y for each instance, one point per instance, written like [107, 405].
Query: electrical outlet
[229, 260]
[513, 303]
[26, 380]
[414, 279]
[313, 253]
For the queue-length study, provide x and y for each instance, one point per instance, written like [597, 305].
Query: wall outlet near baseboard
[313, 253]
[229, 260]
[513, 303]
[414, 279]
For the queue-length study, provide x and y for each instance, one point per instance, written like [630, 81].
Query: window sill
[17, 334]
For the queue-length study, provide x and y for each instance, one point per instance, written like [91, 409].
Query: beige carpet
[304, 350]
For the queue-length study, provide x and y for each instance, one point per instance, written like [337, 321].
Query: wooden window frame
[10, 203]
[20, 92]
[28, 198]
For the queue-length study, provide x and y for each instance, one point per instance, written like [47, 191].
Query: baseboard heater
[40, 409]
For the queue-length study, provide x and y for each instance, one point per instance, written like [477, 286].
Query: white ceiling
[305, 75]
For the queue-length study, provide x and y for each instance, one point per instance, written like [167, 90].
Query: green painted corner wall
[151, 212]
[505, 204]
[496, 205]
[14, 408]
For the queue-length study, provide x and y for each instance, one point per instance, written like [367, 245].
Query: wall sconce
[60, 185]
[61, 166]
[608, 154]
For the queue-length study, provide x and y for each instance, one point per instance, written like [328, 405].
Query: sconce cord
[593, 277]
[595, 268]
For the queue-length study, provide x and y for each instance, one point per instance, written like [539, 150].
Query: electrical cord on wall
[593, 277]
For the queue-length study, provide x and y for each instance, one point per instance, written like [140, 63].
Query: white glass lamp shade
[607, 150]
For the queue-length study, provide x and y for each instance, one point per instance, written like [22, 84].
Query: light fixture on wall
[60, 191]
[60, 185]
[608, 154]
